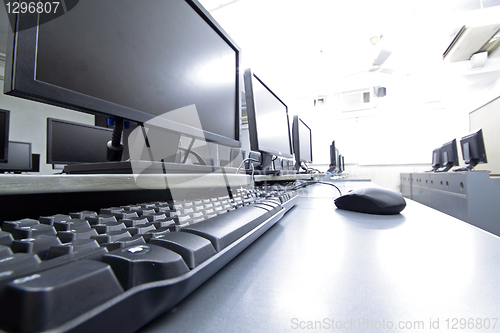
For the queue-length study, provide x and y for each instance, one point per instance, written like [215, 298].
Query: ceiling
[304, 48]
[316, 47]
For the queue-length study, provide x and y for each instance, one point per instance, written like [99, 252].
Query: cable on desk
[312, 182]
[247, 159]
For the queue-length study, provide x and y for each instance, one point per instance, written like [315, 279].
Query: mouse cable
[308, 169]
[312, 182]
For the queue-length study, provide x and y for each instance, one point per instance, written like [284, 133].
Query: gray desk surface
[323, 266]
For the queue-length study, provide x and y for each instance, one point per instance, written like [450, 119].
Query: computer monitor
[19, 157]
[449, 155]
[339, 163]
[268, 124]
[132, 60]
[473, 150]
[333, 158]
[71, 143]
[436, 159]
[302, 142]
[35, 163]
[4, 135]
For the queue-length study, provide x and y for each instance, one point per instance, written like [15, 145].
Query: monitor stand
[265, 167]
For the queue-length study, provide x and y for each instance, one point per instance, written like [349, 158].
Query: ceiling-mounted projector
[470, 40]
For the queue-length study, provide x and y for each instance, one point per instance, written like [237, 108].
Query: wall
[386, 176]
[399, 131]
[488, 118]
[28, 122]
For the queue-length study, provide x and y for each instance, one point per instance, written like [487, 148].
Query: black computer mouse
[372, 200]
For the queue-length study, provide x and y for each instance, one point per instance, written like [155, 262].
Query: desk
[470, 196]
[32, 196]
[323, 264]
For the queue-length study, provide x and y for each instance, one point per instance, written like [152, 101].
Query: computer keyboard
[117, 269]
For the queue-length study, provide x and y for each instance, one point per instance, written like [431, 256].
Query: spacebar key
[226, 228]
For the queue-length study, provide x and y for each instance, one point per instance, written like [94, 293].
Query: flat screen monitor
[473, 150]
[333, 158]
[449, 155]
[35, 163]
[436, 159]
[302, 141]
[19, 157]
[4, 135]
[268, 124]
[131, 60]
[74, 143]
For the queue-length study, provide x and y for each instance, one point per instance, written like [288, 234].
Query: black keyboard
[117, 269]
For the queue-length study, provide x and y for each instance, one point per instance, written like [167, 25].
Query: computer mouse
[372, 200]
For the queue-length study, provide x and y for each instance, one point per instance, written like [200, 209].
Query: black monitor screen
[19, 157]
[302, 141]
[70, 143]
[333, 158]
[4, 135]
[473, 149]
[135, 60]
[267, 118]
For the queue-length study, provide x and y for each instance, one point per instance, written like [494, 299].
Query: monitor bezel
[5, 148]
[296, 140]
[255, 145]
[50, 124]
[21, 66]
[476, 138]
[29, 156]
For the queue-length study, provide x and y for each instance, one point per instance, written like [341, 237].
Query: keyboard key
[135, 265]
[140, 229]
[135, 221]
[111, 210]
[101, 218]
[9, 226]
[17, 261]
[107, 227]
[71, 247]
[182, 219]
[111, 236]
[193, 249]
[163, 223]
[53, 218]
[73, 224]
[71, 235]
[39, 245]
[83, 214]
[6, 238]
[124, 242]
[156, 217]
[57, 295]
[126, 215]
[33, 231]
[5, 252]
[224, 229]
